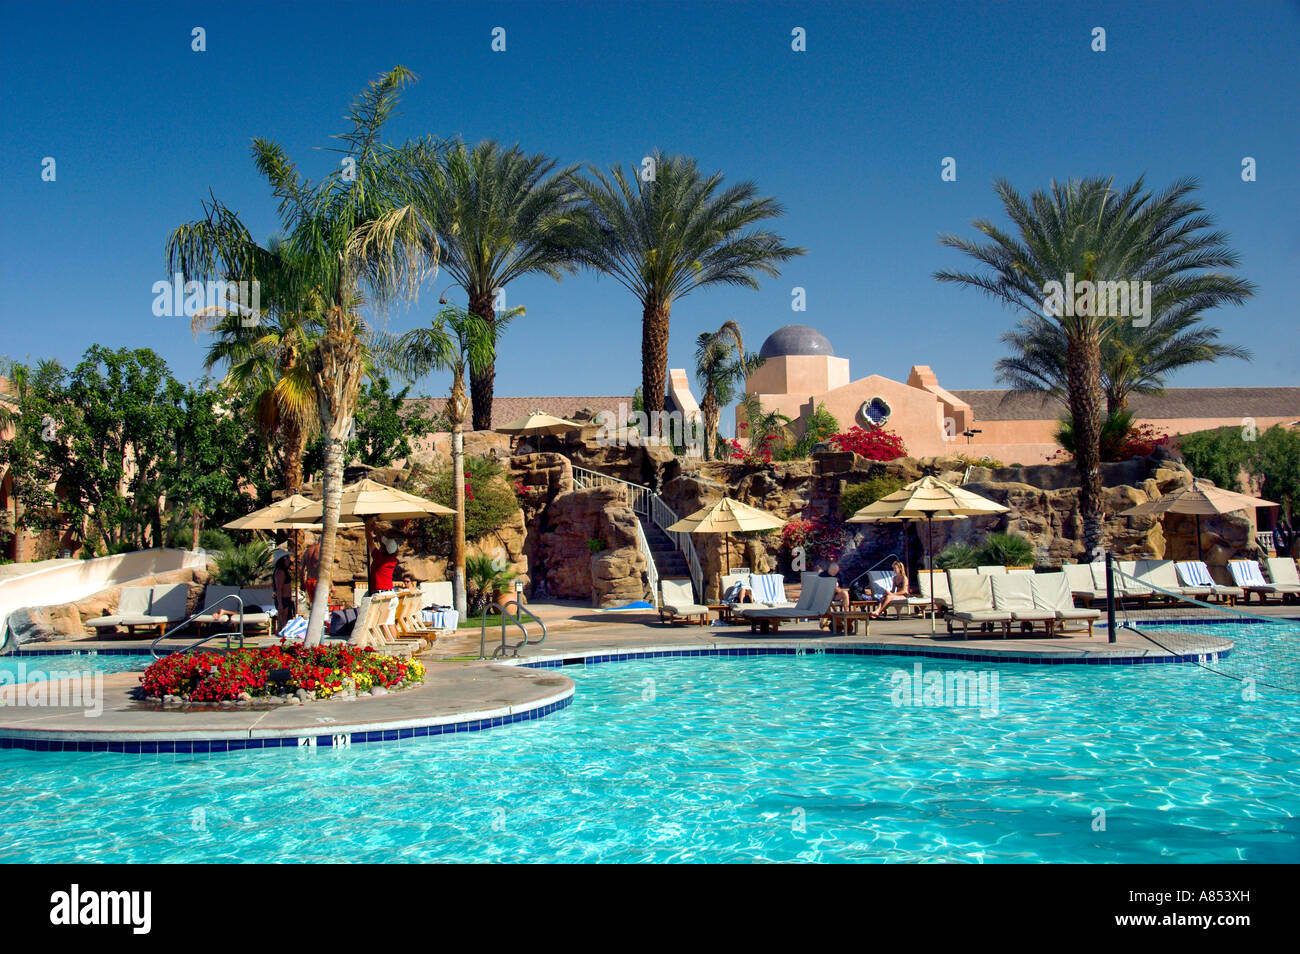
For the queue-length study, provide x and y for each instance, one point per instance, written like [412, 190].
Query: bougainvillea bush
[322, 671]
[822, 540]
[874, 443]
[755, 456]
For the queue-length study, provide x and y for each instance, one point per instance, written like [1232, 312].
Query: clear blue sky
[848, 136]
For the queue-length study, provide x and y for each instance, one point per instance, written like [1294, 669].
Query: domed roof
[796, 339]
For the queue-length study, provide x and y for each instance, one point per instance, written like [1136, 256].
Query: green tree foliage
[1275, 459]
[857, 496]
[244, 565]
[1006, 549]
[490, 502]
[1218, 456]
[957, 556]
[385, 428]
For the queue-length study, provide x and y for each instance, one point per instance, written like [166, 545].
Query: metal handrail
[649, 504]
[513, 647]
[651, 571]
[875, 566]
[153, 648]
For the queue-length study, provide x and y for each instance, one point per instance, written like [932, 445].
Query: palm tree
[1134, 360]
[762, 426]
[661, 239]
[498, 214]
[721, 366]
[1086, 230]
[353, 230]
[457, 341]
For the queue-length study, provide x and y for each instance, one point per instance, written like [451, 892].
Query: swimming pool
[40, 665]
[764, 758]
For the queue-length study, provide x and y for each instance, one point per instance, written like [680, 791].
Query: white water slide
[67, 582]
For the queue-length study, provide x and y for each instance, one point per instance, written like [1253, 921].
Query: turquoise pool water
[770, 758]
[40, 666]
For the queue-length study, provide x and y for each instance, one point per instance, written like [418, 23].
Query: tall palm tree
[457, 341]
[1089, 231]
[721, 366]
[662, 239]
[351, 234]
[498, 214]
[1134, 360]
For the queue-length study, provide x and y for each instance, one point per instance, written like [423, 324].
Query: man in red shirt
[383, 561]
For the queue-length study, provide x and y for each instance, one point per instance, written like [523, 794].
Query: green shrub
[214, 540]
[485, 577]
[957, 556]
[857, 496]
[1006, 549]
[490, 502]
[243, 565]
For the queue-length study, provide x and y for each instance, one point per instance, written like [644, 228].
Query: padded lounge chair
[1246, 574]
[882, 582]
[972, 602]
[768, 590]
[677, 603]
[814, 603]
[1082, 584]
[942, 595]
[167, 605]
[1014, 594]
[1051, 591]
[1196, 573]
[996, 570]
[1161, 575]
[132, 603]
[1127, 584]
[1285, 578]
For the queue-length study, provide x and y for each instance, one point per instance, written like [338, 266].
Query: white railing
[649, 504]
[1264, 538]
[651, 571]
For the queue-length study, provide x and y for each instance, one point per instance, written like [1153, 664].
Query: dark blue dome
[796, 339]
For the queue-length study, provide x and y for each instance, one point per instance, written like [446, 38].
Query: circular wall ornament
[875, 412]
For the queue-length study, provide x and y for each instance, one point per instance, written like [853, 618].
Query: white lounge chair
[994, 570]
[167, 605]
[1082, 584]
[972, 602]
[132, 603]
[1052, 591]
[677, 603]
[882, 582]
[1014, 593]
[1196, 573]
[1161, 576]
[1129, 586]
[815, 600]
[941, 593]
[769, 590]
[1285, 578]
[1246, 574]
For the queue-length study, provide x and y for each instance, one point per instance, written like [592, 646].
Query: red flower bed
[822, 540]
[320, 670]
[874, 444]
[753, 456]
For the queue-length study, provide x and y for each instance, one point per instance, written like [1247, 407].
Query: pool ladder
[508, 648]
[153, 648]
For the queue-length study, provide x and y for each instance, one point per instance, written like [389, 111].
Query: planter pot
[505, 596]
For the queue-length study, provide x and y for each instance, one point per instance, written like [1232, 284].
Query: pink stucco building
[801, 371]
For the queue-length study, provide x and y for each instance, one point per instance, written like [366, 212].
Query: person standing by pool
[383, 560]
[310, 570]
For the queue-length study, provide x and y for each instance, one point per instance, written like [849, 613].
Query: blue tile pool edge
[312, 739]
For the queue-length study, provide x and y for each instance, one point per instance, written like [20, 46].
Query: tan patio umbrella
[539, 422]
[273, 517]
[370, 499]
[929, 499]
[1200, 499]
[727, 516]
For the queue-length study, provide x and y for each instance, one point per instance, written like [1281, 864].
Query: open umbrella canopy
[928, 498]
[1200, 499]
[727, 516]
[368, 498]
[539, 422]
[280, 516]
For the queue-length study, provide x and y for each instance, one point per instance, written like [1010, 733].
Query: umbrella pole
[1199, 555]
[726, 545]
[929, 544]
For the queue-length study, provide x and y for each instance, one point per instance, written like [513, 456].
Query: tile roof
[506, 409]
[990, 405]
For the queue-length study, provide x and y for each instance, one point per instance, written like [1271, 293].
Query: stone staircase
[670, 563]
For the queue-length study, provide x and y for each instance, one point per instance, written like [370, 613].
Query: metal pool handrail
[153, 648]
[512, 647]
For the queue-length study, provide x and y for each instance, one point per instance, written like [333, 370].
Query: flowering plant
[755, 455]
[822, 540]
[874, 444]
[322, 671]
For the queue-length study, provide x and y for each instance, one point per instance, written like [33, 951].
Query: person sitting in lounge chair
[842, 596]
[896, 595]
